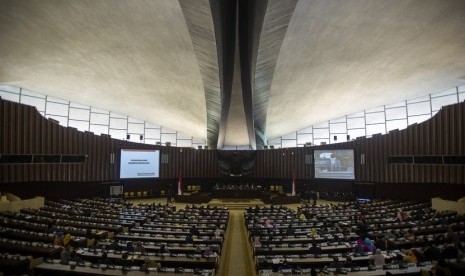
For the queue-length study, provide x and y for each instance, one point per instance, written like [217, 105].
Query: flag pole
[293, 181]
[180, 182]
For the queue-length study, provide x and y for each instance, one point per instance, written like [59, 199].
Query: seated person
[218, 232]
[94, 246]
[74, 257]
[431, 252]
[104, 260]
[209, 253]
[58, 240]
[148, 263]
[452, 237]
[289, 230]
[410, 257]
[450, 252]
[114, 246]
[378, 259]
[129, 247]
[402, 216]
[380, 243]
[284, 266]
[49, 228]
[89, 234]
[336, 263]
[409, 236]
[194, 231]
[315, 249]
[399, 216]
[125, 261]
[360, 246]
[267, 223]
[66, 239]
[189, 239]
[441, 268]
[66, 255]
[398, 259]
[139, 247]
[163, 249]
[369, 246]
[349, 263]
[256, 242]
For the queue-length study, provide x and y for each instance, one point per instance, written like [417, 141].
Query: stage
[235, 198]
[235, 203]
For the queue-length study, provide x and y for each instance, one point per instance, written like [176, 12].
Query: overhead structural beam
[199, 20]
[276, 20]
[224, 19]
[251, 15]
[258, 28]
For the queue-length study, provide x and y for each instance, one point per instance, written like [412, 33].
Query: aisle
[237, 257]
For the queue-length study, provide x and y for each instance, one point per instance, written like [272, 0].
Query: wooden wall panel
[24, 131]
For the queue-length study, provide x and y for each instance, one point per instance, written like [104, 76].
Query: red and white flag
[180, 182]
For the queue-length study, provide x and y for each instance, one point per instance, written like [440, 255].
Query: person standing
[168, 194]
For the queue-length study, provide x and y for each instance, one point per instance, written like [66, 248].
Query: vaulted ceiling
[233, 72]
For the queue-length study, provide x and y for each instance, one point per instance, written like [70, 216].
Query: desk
[172, 226]
[166, 261]
[172, 248]
[48, 269]
[236, 193]
[164, 239]
[314, 262]
[171, 232]
[300, 250]
[36, 251]
[377, 272]
[10, 266]
[306, 239]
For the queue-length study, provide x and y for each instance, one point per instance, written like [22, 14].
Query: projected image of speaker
[334, 164]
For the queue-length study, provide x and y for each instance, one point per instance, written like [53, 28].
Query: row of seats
[276, 233]
[70, 216]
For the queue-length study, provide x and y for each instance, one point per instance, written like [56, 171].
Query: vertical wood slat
[25, 131]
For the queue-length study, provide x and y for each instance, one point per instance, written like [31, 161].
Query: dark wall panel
[419, 191]
[24, 131]
[441, 135]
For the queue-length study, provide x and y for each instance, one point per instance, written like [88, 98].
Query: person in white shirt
[378, 259]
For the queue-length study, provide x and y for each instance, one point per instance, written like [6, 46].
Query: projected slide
[335, 164]
[139, 163]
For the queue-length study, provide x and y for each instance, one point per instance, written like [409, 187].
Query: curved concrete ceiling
[340, 57]
[131, 57]
[156, 60]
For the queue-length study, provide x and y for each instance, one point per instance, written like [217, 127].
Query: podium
[116, 191]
